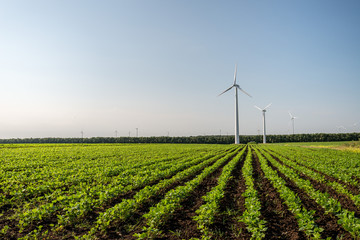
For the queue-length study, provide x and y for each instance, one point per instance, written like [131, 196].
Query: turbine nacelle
[263, 109]
[292, 117]
[235, 85]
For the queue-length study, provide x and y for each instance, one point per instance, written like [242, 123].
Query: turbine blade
[258, 108]
[290, 114]
[267, 106]
[244, 91]
[235, 74]
[225, 90]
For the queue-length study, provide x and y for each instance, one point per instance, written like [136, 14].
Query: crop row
[338, 164]
[304, 217]
[251, 216]
[207, 212]
[338, 187]
[76, 204]
[159, 214]
[127, 207]
[346, 218]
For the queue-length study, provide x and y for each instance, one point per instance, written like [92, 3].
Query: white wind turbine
[355, 126]
[264, 126]
[293, 122]
[341, 129]
[236, 86]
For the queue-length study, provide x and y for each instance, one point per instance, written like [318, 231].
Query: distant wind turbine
[264, 126]
[293, 122]
[236, 86]
[355, 126]
[341, 128]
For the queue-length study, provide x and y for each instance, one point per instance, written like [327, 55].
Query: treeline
[228, 139]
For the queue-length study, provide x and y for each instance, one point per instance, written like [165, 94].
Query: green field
[180, 191]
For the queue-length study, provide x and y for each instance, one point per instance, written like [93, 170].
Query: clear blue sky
[100, 66]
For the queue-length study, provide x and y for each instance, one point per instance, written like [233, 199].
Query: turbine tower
[293, 122]
[236, 86]
[264, 126]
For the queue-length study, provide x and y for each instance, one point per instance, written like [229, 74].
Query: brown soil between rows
[13, 230]
[280, 222]
[356, 179]
[134, 224]
[328, 222]
[181, 225]
[344, 200]
[68, 231]
[112, 202]
[130, 194]
[227, 223]
[83, 225]
[353, 189]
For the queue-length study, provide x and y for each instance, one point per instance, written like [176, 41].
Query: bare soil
[328, 222]
[281, 223]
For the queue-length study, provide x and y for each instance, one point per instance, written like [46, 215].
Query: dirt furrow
[226, 224]
[132, 193]
[281, 223]
[181, 225]
[356, 179]
[123, 228]
[353, 189]
[344, 200]
[326, 221]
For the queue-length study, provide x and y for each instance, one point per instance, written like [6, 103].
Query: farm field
[179, 191]
[352, 146]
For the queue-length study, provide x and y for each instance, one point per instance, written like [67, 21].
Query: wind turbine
[355, 126]
[264, 127]
[236, 86]
[341, 128]
[293, 122]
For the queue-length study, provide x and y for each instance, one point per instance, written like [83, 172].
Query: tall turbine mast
[264, 125]
[236, 86]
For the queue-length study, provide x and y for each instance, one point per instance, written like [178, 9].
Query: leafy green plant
[251, 216]
[207, 212]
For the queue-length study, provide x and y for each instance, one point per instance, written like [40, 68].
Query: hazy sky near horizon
[100, 66]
